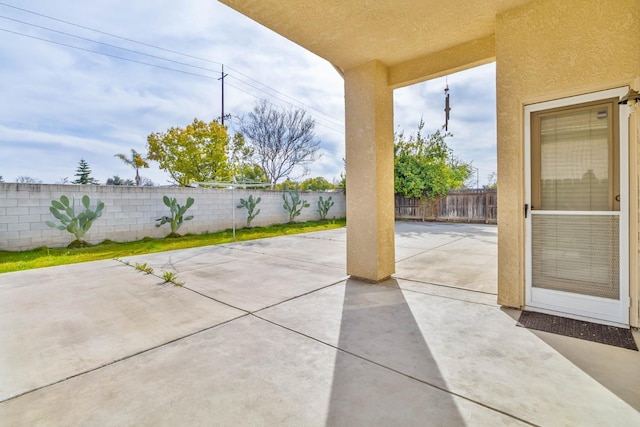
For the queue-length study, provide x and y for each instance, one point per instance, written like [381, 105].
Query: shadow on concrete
[617, 369]
[379, 339]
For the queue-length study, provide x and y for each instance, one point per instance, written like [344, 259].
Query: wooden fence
[458, 206]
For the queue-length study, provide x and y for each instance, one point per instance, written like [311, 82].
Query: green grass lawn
[48, 257]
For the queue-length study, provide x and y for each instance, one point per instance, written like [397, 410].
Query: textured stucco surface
[353, 33]
[458, 58]
[369, 158]
[548, 50]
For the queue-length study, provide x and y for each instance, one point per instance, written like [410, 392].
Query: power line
[108, 45]
[150, 65]
[106, 33]
[332, 122]
[340, 131]
[286, 102]
[284, 94]
[167, 50]
[107, 54]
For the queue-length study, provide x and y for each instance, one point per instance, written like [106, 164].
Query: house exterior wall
[130, 213]
[547, 50]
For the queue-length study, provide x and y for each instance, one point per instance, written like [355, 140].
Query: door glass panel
[574, 160]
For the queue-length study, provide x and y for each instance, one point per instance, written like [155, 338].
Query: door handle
[526, 210]
[617, 198]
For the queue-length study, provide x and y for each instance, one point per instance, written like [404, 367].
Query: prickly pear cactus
[323, 207]
[176, 217]
[78, 224]
[250, 204]
[293, 204]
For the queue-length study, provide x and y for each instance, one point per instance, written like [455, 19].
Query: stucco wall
[130, 212]
[548, 50]
[369, 158]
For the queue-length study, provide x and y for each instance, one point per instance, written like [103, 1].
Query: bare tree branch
[282, 139]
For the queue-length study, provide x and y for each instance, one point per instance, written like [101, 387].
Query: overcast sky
[59, 103]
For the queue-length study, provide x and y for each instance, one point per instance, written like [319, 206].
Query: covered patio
[555, 59]
[272, 332]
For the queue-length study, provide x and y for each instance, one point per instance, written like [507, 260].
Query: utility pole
[222, 80]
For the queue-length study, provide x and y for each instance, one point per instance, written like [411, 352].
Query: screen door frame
[586, 307]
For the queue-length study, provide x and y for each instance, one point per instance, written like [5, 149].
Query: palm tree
[136, 161]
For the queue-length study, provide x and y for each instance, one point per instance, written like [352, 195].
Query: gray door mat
[603, 334]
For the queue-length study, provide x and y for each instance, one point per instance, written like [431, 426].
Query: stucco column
[369, 158]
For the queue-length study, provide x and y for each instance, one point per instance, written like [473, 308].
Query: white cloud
[62, 103]
[472, 116]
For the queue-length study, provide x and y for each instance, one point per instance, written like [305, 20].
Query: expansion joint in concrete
[427, 383]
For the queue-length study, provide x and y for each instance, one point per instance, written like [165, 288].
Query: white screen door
[577, 227]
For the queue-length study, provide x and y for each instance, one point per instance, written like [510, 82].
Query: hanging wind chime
[446, 107]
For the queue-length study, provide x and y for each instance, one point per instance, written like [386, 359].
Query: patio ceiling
[350, 33]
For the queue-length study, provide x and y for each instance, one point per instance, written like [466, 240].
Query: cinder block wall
[130, 212]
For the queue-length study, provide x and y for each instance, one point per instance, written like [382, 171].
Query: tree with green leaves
[316, 184]
[83, 172]
[288, 184]
[200, 152]
[425, 166]
[251, 173]
[136, 161]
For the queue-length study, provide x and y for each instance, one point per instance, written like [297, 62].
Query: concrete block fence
[130, 212]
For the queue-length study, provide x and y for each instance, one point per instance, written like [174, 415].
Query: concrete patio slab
[448, 291]
[248, 372]
[617, 369]
[459, 255]
[102, 344]
[413, 232]
[62, 321]
[449, 267]
[242, 275]
[306, 248]
[472, 350]
[335, 234]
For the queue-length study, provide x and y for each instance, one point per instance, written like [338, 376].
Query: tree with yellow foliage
[200, 152]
